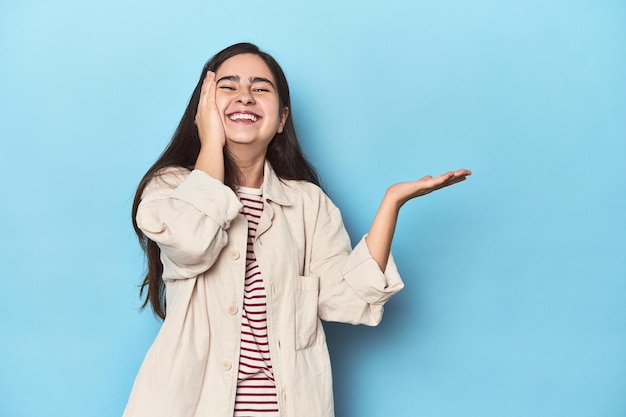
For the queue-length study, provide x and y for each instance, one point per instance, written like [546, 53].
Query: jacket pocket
[307, 321]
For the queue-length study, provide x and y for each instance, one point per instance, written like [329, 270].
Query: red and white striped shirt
[256, 391]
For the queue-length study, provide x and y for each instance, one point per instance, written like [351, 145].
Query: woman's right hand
[210, 130]
[208, 119]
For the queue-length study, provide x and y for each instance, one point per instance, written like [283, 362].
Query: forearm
[211, 160]
[381, 232]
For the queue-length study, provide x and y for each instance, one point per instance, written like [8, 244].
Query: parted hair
[283, 153]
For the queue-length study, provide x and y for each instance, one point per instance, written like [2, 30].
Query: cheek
[221, 102]
[272, 113]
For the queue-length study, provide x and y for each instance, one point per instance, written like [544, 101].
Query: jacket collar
[273, 186]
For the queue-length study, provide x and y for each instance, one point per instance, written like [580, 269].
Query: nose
[245, 97]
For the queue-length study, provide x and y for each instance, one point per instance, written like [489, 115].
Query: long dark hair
[283, 153]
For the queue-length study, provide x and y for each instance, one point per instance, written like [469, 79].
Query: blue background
[515, 280]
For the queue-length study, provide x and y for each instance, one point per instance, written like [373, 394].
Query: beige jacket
[310, 273]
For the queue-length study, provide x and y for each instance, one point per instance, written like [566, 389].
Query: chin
[247, 140]
[240, 141]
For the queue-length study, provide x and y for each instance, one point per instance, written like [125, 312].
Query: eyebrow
[235, 78]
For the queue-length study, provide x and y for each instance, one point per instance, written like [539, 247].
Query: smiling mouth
[243, 116]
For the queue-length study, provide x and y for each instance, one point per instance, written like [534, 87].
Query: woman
[248, 254]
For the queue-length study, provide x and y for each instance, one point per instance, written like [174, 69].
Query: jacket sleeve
[187, 215]
[352, 287]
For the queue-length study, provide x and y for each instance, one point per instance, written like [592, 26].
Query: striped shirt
[256, 391]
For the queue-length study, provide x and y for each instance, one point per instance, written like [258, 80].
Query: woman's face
[247, 100]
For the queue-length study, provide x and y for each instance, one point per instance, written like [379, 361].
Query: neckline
[249, 190]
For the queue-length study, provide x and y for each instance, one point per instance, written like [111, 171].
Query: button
[234, 254]
[226, 365]
[232, 309]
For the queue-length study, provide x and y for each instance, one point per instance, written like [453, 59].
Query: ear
[283, 119]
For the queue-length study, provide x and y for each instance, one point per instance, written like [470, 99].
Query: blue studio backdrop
[515, 280]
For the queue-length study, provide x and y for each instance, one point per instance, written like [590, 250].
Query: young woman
[246, 254]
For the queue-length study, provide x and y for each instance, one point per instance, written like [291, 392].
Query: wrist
[392, 201]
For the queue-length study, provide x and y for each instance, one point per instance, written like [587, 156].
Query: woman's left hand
[404, 191]
[384, 224]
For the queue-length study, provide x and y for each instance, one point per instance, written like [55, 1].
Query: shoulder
[171, 174]
[166, 179]
[307, 194]
[302, 189]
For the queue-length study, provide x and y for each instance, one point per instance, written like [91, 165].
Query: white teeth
[239, 116]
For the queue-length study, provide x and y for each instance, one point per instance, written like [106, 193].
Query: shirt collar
[273, 187]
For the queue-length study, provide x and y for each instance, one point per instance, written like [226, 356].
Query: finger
[454, 180]
[212, 89]
[431, 183]
[463, 171]
[206, 87]
[444, 180]
[452, 177]
[210, 76]
[441, 178]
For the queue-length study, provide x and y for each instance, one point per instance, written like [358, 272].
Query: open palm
[404, 191]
